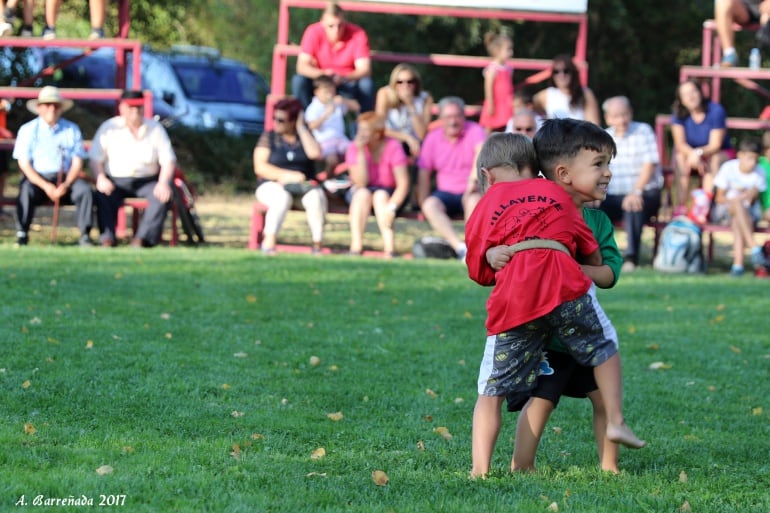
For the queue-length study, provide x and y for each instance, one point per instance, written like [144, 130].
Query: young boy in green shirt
[562, 375]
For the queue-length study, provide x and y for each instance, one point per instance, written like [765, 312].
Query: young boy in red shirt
[542, 292]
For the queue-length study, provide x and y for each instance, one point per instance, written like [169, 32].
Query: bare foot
[477, 475]
[526, 469]
[611, 469]
[622, 434]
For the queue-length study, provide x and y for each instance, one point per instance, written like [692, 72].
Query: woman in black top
[284, 162]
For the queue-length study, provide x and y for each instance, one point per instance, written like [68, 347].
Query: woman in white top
[566, 97]
[406, 107]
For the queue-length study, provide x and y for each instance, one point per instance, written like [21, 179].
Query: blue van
[191, 85]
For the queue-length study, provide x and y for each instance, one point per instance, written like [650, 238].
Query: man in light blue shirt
[49, 151]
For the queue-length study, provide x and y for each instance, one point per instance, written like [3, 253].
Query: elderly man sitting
[132, 156]
[49, 151]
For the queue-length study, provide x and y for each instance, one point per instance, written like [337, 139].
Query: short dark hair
[752, 144]
[291, 106]
[324, 81]
[560, 139]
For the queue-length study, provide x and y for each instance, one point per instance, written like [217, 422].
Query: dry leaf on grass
[89, 344]
[236, 452]
[316, 474]
[318, 454]
[26, 384]
[336, 416]
[430, 393]
[29, 428]
[315, 361]
[251, 298]
[659, 366]
[685, 507]
[756, 411]
[443, 432]
[241, 354]
[420, 445]
[104, 470]
[236, 414]
[736, 350]
[380, 478]
[683, 477]
[553, 507]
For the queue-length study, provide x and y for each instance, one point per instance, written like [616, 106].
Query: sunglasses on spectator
[562, 71]
[410, 81]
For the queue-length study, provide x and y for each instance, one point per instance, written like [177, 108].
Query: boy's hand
[498, 256]
[594, 258]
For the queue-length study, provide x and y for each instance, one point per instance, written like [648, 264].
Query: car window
[224, 84]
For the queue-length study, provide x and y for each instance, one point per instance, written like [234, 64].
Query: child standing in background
[498, 84]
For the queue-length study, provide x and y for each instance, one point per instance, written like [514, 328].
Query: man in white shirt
[634, 191]
[132, 157]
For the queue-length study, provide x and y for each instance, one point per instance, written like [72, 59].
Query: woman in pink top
[378, 172]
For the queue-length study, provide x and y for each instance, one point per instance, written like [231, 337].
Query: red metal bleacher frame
[122, 46]
[664, 120]
[283, 49]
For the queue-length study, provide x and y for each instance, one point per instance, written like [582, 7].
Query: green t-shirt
[764, 196]
[604, 233]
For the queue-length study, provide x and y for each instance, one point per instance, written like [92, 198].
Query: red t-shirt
[340, 56]
[535, 281]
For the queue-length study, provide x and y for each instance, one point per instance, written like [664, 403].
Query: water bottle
[755, 60]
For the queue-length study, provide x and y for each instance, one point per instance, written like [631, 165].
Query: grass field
[220, 380]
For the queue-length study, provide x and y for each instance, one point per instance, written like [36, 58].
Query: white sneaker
[461, 251]
[6, 29]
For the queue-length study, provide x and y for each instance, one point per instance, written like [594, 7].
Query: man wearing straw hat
[131, 156]
[49, 151]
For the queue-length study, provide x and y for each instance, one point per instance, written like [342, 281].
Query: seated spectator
[701, 142]
[325, 116]
[380, 181]
[98, 11]
[738, 184]
[339, 49]
[51, 15]
[284, 162]
[5, 106]
[7, 15]
[49, 151]
[633, 194]
[566, 97]
[743, 13]
[524, 122]
[764, 162]
[131, 156]
[450, 152]
[406, 107]
[522, 101]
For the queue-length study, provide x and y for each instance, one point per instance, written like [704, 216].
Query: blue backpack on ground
[680, 249]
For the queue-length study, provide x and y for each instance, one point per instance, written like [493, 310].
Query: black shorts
[752, 7]
[568, 378]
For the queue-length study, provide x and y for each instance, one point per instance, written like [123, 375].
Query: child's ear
[562, 174]
[489, 177]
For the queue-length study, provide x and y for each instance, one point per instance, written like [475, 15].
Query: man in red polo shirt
[340, 50]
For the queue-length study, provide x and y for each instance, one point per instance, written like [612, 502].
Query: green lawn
[183, 379]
